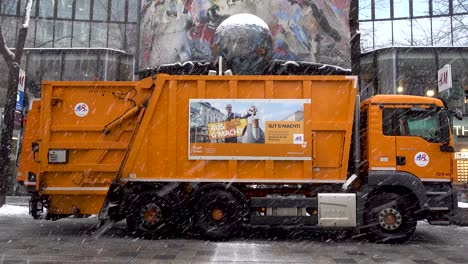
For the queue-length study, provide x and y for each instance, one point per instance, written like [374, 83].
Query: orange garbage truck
[219, 152]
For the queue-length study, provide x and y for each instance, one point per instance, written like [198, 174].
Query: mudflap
[110, 209]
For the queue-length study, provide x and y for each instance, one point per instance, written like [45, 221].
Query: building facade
[405, 42]
[73, 39]
[70, 40]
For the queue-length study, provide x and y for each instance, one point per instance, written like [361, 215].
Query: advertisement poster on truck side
[247, 129]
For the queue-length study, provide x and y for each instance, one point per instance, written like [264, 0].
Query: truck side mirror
[458, 114]
[447, 148]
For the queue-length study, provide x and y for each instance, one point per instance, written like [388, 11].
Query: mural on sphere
[302, 30]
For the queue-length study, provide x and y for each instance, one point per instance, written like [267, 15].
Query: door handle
[400, 160]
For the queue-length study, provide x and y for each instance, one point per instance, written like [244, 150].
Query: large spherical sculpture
[245, 42]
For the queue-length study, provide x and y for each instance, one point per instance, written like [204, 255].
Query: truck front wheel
[389, 218]
[218, 214]
[149, 214]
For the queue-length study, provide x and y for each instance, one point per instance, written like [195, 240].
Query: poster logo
[81, 109]
[298, 138]
[421, 159]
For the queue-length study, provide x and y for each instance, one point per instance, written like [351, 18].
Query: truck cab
[408, 146]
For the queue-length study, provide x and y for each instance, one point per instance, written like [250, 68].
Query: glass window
[46, 8]
[131, 38]
[98, 35]
[9, 28]
[44, 33]
[31, 33]
[82, 10]
[382, 31]
[65, 8]
[417, 71]
[51, 66]
[118, 10]
[441, 33]
[460, 30]
[62, 34]
[367, 76]
[133, 10]
[126, 68]
[9, 7]
[100, 10]
[430, 124]
[422, 32]
[365, 9]
[367, 36]
[420, 8]
[116, 36]
[112, 67]
[440, 7]
[33, 9]
[80, 34]
[460, 6]
[382, 9]
[401, 8]
[386, 65]
[80, 66]
[402, 32]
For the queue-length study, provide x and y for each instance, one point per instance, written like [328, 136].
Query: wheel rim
[151, 214]
[390, 219]
[217, 214]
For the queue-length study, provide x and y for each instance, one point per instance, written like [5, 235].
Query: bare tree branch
[4, 50]
[23, 32]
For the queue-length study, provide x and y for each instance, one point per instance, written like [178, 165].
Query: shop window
[81, 67]
[417, 71]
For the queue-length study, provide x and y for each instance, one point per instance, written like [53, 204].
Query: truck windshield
[428, 123]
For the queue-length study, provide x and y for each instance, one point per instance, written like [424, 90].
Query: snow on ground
[7, 210]
[462, 205]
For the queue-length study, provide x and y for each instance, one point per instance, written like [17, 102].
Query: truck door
[419, 134]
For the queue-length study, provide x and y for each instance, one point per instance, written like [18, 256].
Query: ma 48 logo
[298, 138]
[421, 159]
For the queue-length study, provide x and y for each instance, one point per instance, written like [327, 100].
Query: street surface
[71, 240]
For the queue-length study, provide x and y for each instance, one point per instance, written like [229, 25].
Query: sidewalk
[17, 200]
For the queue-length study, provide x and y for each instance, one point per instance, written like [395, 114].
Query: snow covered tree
[13, 60]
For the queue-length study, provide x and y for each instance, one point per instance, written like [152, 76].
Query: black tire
[149, 215]
[218, 214]
[390, 218]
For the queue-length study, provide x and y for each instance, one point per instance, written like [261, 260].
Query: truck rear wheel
[390, 219]
[149, 214]
[218, 214]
